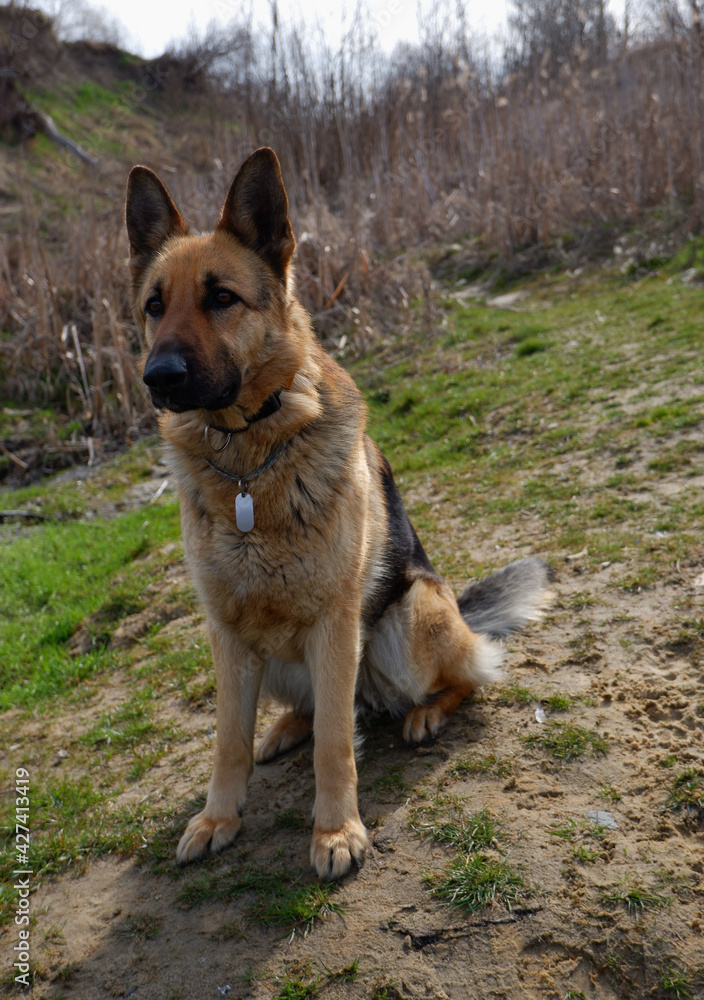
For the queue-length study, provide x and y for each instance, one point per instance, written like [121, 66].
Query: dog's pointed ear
[256, 210]
[151, 217]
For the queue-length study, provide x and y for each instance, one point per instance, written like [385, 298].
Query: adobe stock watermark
[22, 877]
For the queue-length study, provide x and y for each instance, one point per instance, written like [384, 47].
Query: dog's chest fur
[272, 584]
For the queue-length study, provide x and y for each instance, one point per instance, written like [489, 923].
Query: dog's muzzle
[177, 384]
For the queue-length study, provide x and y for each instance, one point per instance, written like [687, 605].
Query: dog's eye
[154, 306]
[223, 297]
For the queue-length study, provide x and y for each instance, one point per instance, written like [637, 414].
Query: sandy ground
[632, 684]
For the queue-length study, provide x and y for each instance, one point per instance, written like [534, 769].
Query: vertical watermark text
[22, 876]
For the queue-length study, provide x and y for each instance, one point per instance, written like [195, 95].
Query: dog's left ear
[256, 210]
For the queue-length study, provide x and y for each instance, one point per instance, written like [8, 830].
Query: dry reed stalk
[378, 157]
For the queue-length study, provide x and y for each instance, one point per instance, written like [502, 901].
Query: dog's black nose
[165, 372]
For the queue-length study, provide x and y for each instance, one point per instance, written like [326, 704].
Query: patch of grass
[200, 694]
[514, 694]
[299, 982]
[531, 345]
[640, 580]
[566, 832]
[673, 416]
[580, 601]
[231, 931]
[73, 822]
[145, 925]
[299, 907]
[278, 898]
[390, 785]
[568, 742]
[474, 881]
[636, 898]
[608, 792]
[557, 702]
[584, 854]
[676, 981]
[291, 819]
[130, 727]
[347, 974]
[687, 790]
[689, 635]
[54, 577]
[584, 648]
[385, 988]
[469, 764]
[122, 727]
[465, 833]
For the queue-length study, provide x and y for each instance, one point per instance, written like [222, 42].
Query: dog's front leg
[239, 675]
[333, 650]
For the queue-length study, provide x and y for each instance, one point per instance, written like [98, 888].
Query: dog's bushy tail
[506, 600]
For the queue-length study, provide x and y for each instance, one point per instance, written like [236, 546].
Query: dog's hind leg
[287, 732]
[426, 720]
[290, 684]
[447, 660]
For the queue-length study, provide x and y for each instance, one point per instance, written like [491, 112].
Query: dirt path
[118, 930]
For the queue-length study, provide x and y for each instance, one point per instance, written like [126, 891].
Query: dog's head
[215, 307]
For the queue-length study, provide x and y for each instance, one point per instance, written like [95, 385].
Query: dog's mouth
[177, 385]
[182, 402]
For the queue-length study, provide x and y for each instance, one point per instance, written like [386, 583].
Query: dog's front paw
[206, 834]
[332, 852]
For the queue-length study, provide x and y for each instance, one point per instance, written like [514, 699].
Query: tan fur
[285, 601]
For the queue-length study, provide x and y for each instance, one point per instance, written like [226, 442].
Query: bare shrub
[384, 159]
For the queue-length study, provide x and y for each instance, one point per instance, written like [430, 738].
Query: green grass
[584, 838]
[514, 694]
[676, 982]
[291, 819]
[298, 982]
[557, 702]
[277, 897]
[391, 785]
[635, 897]
[131, 729]
[74, 821]
[297, 907]
[385, 988]
[488, 422]
[567, 742]
[346, 974]
[585, 854]
[473, 882]
[566, 832]
[476, 832]
[469, 764]
[608, 792]
[53, 578]
[687, 790]
[144, 925]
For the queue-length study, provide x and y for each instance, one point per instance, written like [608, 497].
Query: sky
[151, 25]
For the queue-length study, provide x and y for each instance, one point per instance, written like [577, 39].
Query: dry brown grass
[383, 160]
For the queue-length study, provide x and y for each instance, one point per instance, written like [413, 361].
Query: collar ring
[207, 440]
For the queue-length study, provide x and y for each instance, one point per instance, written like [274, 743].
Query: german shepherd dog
[316, 588]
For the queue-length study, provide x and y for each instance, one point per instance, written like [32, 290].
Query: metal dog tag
[244, 512]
